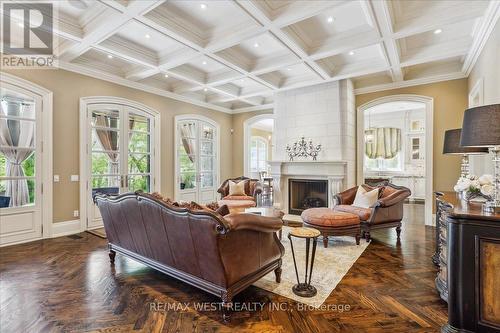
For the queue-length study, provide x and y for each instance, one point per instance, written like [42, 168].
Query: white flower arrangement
[474, 186]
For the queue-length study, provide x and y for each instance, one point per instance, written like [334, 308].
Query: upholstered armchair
[387, 212]
[253, 187]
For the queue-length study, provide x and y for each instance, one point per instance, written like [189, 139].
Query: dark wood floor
[67, 285]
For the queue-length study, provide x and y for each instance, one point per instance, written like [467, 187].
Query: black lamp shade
[481, 126]
[452, 144]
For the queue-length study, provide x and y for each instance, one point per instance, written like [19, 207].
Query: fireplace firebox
[306, 193]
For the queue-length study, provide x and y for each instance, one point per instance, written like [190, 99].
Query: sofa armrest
[393, 199]
[253, 222]
[346, 197]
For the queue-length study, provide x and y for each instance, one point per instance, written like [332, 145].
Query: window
[380, 164]
[258, 154]
[17, 150]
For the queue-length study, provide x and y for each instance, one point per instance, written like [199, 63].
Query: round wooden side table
[304, 289]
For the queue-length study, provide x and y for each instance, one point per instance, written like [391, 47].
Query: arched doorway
[257, 144]
[411, 141]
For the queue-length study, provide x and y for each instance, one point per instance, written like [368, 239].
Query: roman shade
[382, 142]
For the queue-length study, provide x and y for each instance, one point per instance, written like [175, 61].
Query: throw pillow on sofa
[365, 199]
[237, 189]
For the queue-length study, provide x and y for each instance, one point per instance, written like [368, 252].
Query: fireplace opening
[306, 193]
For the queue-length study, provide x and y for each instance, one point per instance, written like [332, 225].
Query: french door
[197, 161]
[120, 153]
[20, 165]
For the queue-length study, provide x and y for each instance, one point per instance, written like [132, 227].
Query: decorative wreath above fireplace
[302, 148]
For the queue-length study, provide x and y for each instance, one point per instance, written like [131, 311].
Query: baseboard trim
[65, 228]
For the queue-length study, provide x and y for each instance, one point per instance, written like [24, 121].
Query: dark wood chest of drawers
[468, 257]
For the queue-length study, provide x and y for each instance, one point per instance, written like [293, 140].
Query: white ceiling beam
[380, 12]
[259, 16]
[106, 24]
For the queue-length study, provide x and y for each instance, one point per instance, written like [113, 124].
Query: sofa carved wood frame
[387, 212]
[121, 209]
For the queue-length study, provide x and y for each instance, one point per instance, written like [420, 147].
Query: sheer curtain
[17, 140]
[109, 141]
[188, 132]
[383, 142]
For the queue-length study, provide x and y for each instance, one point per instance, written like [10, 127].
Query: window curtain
[187, 132]
[17, 141]
[108, 140]
[384, 142]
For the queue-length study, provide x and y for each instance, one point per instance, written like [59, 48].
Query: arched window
[258, 154]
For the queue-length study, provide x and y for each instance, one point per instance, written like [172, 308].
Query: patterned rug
[330, 266]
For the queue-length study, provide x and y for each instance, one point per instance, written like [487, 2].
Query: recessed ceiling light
[203, 6]
[351, 53]
[166, 75]
[329, 19]
[256, 45]
[147, 36]
[204, 62]
[438, 31]
[288, 69]
[205, 89]
[110, 56]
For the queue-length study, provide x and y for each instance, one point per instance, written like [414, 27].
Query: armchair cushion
[364, 198]
[363, 213]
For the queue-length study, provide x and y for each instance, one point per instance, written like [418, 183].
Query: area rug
[100, 232]
[330, 266]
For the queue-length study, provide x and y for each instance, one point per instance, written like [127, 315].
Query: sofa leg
[367, 236]
[357, 238]
[112, 255]
[277, 274]
[325, 241]
[398, 231]
[363, 234]
[227, 305]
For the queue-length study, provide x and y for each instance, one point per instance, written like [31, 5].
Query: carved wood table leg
[277, 273]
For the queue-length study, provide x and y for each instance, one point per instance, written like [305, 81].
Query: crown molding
[490, 19]
[409, 83]
[136, 85]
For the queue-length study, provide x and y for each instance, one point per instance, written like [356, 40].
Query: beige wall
[487, 67]
[238, 140]
[67, 88]
[450, 102]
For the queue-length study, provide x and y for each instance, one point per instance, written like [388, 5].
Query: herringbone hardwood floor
[66, 284]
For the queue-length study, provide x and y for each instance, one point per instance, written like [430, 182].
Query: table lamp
[452, 146]
[481, 128]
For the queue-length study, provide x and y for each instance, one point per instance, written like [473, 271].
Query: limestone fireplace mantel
[333, 171]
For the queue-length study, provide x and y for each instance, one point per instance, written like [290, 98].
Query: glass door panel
[196, 160]
[18, 155]
[139, 153]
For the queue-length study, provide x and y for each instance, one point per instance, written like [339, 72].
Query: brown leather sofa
[252, 189]
[387, 212]
[221, 255]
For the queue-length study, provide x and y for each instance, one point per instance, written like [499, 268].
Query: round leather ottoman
[331, 223]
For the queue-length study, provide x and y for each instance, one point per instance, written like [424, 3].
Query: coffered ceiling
[232, 56]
